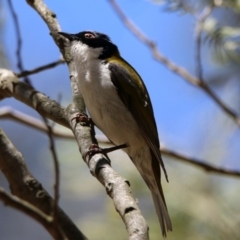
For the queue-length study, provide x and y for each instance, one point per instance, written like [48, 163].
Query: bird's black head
[94, 40]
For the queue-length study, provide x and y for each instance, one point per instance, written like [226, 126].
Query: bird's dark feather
[139, 104]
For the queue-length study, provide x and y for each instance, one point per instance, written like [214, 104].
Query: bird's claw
[82, 118]
[93, 149]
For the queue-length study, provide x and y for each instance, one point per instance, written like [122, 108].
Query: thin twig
[56, 169]
[19, 41]
[200, 163]
[180, 71]
[35, 123]
[41, 68]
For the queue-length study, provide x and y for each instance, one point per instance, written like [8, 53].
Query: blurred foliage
[223, 34]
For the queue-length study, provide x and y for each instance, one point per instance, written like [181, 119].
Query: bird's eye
[89, 35]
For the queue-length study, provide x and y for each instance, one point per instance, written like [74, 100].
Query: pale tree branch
[41, 68]
[35, 123]
[180, 71]
[26, 187]
[10, 86]
[116, 187]
[98, 164]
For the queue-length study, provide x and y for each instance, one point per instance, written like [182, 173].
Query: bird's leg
[82, 118]
[94, 148]
[111, 149]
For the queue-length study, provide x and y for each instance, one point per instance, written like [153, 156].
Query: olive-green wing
[134, 95]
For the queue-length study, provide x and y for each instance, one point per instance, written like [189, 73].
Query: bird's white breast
[102, 101]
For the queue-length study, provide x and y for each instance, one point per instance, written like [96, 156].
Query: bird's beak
[69, 36]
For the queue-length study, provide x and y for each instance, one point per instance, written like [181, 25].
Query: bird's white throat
[82, 52]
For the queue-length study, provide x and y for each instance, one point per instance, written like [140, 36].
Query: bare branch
[8, 113]
[35, 123]
[41, 68]
[200, 163]
[11, 87]
[33, 212]
[26, 187]
[50, 18]
[180, 71]
[8, 76]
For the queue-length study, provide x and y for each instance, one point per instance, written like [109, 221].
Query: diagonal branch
[200, 163]
[116, 187]
[180, 71]
[26, 187]
[35, 123]
[33, 212]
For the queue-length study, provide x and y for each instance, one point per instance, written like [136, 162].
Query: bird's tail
[151, 174]
[158, 198]
[162, 213]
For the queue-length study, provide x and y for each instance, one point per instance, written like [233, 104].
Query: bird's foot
[94, 148]
[83, 119]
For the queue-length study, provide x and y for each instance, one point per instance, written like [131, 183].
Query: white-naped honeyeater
[119, 105]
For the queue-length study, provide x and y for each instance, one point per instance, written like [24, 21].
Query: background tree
[199, 120]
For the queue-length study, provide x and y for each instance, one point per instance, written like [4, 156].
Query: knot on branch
[128, 183]
[109, 188]
[7, 80]
[34, 185]
[129, 209]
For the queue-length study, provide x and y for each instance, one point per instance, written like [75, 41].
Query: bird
[118, 103]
